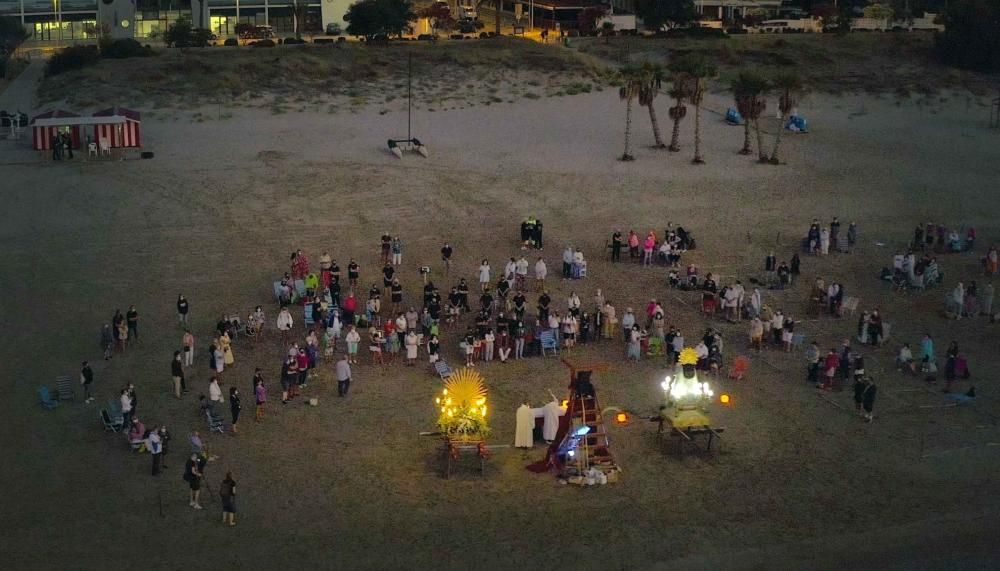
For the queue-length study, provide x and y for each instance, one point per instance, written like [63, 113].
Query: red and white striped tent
[126, 134]
[48, 124]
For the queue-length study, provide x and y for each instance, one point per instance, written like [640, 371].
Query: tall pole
[409, 93]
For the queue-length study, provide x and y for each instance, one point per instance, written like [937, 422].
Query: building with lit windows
[72, 20]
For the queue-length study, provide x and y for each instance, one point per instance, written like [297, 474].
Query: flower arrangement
[462, 406]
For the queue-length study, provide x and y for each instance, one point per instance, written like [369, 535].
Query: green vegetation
[972, 35]
[371, 18]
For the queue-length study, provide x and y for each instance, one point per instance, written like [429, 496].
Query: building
[729, 10]
[73, 20]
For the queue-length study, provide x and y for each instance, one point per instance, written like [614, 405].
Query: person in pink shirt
[188, 343]
[647, 249]
[633, 245]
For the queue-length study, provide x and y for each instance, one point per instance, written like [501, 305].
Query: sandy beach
[800, 482]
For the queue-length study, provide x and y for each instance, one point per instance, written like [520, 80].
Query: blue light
[582, 430]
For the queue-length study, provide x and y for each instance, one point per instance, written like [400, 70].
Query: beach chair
[849, 306]
[798, 340]
[277, 290]
[111, 423]
[548, 341]
[64, 388]
[300, 289]
[581, 270]
[215, 422]
[307, 315]
[733, 116]
[739, 368]
[442, 369]
[655, 346]
[45, 399]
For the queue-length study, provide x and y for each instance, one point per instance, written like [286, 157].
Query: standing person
[950, 366]
[353, 339]
[397, 251]
[214, 392]
[182, 310]
[193, 475]
[567, 262]
[388, 271]
[540, 272]
[353, 273]
[132, 317]
[647, 249]
[484, 275]
[446, 252]
[519, 333]
[284, 323]
[227, 490]
[107, 341]
[343, 371]
[260, 396]
[812, 362]
[386, 247]
[616, 246]
[521, 273]
[830, 364]
[177, 373]
[126, 404]
[868, 392]
[302, 362]
[86, 379]
[235, 407]
[155, 446]
[411, 347]
[219, 358]
[289, 370]
[187, 341]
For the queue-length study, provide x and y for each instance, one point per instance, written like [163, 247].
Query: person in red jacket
[830, 365]
[350, 306]
[302, 361]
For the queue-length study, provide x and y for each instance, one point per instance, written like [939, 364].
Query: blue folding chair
[733, 116]
[548, 341]
[300, 289]
[45, 399]
[307, 315]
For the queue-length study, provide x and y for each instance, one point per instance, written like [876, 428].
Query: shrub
[263, 44]
[125, 48]
[70, 58]
[231, 42]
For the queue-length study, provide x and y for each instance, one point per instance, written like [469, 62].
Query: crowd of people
[502, 325]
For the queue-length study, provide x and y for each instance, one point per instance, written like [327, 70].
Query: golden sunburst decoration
[688, 357]
[462, 404]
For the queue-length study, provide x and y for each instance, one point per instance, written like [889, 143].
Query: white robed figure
[525, 426]
[551, 413]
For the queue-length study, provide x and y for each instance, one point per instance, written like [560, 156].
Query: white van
[467, 11]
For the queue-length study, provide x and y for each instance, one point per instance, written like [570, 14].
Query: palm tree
[748, 90]
[630, 79]
[651, 76]
[697, 86]
[677, 112]
[789, 87]
[680, 70]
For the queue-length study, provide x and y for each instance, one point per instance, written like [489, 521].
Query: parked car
[467, 26]
[467, 11]
[333, 29]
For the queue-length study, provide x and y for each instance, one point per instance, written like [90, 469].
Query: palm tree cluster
[644, 82]
[750, 90]
[688, 77]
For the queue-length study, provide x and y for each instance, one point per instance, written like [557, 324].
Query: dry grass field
[799, 483]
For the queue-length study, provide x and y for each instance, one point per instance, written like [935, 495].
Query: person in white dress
[484, 275]
[541, 270]
[284, 322]
[551, 413]
[411, 347]
[525, 425]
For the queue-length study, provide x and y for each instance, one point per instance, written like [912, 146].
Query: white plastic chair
[105, 147]
[91, 149]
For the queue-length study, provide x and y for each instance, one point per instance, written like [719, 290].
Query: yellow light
[437, 401]
[565, 403]
[621, 418]
[724, 398]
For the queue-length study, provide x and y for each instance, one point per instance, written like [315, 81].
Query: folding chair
[740, 367]
[307, 315]
[582, 270]
[655, 346]
[277, 290]
[105, 146]
[215, 422]
[64, 388]
[111, 424]
[849, 306]
[548, 341]
[45, 399]
[300, 289]
[798, 340]
[442, 369]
